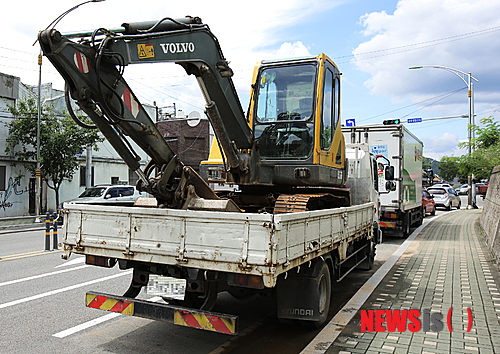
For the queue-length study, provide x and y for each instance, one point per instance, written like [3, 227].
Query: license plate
[171, 288]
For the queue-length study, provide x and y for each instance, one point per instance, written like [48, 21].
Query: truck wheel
[324, 283]
[406, 225]
[421, 219]
[370, 253]
[303, 294]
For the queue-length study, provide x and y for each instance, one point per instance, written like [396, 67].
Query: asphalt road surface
[42, 307]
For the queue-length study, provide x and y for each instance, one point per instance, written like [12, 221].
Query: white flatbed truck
[299, 255]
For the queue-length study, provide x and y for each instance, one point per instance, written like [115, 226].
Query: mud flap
[298, 292]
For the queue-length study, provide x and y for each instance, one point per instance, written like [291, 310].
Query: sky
[372, 42]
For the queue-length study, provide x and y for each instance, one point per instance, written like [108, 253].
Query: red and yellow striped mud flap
[209, 321]
[106, 303]
[387, 224]
[212, 322]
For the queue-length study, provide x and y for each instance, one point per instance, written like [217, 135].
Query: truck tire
[421, 219]
[303, 297]
[406, 224]
[325, 294]
[370, 253]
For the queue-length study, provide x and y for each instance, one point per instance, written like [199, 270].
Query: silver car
[109, 195]
[445, 197]
[463, 189]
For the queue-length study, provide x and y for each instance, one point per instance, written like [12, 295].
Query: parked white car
[463, 189]
[109, 195]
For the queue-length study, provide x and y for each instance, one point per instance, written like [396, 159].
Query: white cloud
[292, 50]
[442, 145]
[247, 32]
[451, 33]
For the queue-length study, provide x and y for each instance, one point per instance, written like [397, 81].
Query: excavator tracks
[294, 203]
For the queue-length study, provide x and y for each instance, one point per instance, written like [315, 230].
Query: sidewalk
[25, 223]
[446, 266]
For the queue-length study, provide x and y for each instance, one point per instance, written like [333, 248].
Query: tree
[482, 161]
[61, 141]
[449, 167]
[488, 136]
[487, 150]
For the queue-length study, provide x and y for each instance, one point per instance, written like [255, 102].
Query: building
[17, 185]
[189, 139]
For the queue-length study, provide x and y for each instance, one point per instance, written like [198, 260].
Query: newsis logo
[403, 320]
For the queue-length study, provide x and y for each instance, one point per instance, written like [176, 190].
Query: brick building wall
[191, 144]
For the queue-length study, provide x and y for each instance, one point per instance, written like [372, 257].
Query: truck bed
[259, 244]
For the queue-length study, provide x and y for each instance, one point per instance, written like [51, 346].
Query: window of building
[132, 177]
[83, 171]
[3, 172]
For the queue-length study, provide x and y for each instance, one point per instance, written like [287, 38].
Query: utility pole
[471, 202]
[38, 173]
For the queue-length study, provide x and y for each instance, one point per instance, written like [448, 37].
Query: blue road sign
[414, 120]
[350, 122]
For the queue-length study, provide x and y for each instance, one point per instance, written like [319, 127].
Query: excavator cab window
[286, 93]
[284, 127]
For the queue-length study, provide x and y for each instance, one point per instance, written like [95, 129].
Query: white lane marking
[57, 291]
[325, 338]
[72, 262]
[41, 275]
[86, 325]
[91, 323]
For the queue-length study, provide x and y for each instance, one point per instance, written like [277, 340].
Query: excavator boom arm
[93, 71]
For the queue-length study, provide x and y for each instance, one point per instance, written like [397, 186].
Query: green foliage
[449, 167]
[485, 137]
[481, 161]
[61, 142]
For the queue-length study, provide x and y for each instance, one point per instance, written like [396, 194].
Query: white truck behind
[400, 198]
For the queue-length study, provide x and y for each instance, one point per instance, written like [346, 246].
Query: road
[43, 310]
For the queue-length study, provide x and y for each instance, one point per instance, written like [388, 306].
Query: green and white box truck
[400, 197]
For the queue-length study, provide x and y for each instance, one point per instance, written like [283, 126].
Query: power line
[414, 104]
[430, 104]
[167, 94]
[424, 44]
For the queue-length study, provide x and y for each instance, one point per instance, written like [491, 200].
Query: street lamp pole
[467, 79]
[38, 175]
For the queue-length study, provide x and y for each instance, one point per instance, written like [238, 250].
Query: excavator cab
[294, 114]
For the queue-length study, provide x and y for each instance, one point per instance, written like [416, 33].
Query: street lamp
[467, 78]
[38, 174]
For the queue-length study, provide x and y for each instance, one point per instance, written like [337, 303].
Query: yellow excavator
[286, 153]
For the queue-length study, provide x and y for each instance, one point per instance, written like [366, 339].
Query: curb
[325, 338]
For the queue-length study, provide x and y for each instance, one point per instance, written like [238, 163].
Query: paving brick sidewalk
[446, 266]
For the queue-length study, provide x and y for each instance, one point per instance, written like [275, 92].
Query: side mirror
[107, 196]
[390, 186]
[389, 173]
